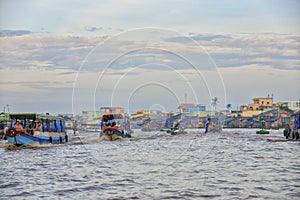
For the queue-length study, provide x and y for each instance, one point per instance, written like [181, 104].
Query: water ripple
[236, 164]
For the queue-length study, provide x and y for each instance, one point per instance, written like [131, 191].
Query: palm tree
[214, 102]
[228, 106]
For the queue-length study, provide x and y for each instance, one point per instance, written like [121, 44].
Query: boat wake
[11, 147]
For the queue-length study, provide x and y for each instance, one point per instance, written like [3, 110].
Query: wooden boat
[36, 129]
[115, 127]
[178, 128]
[178, 131]
[263, 126]
[292, 130]
[262, 131]
[4, 119]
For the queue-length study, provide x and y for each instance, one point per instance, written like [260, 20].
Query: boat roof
[33, 116]
[111, 116]
[4, 117]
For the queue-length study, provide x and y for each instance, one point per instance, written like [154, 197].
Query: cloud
[43, 65]
[197, 37]
[93, 28]
[9, 33]
[67, 52]
[279, 51]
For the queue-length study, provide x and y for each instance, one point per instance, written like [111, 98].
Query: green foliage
[285, 108]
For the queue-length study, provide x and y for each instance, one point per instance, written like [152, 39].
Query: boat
[263, 126]
[177, 131]
[115, 127]
[292, 129]
[262, 131]
[35, 129]
[4, 119]
[177, 128]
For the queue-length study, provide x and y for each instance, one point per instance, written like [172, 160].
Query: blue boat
[32, 128]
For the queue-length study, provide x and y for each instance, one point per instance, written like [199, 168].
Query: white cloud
[46, 66]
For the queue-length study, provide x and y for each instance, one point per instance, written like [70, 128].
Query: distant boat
[4, 119]
[262, 131]
[292, 130]
[115, 127]
[37, 129]
[263, 126]
[175, 125]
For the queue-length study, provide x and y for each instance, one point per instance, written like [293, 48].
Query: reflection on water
[236, 164]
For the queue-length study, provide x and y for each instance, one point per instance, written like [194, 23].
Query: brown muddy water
[233, 164]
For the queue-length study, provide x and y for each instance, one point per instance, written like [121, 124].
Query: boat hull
[262, 132]
[178, 132]
[111, 134]
[22, 139]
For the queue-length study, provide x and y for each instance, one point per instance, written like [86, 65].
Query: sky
[70, 56]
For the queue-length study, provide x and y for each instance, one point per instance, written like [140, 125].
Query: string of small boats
[33, 128]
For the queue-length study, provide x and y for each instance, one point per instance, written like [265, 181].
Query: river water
[233, 164]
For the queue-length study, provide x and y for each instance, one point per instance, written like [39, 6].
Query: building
[91, 115]
[294, 105]
[189, 107]
[140, 114]
[90, 119]
[115, 110]
[259, 105]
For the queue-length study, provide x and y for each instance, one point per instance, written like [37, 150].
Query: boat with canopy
[33, 128]
[115, 127]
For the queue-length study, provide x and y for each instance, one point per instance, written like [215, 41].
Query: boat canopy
[108, 117]
[32, 116]
[48, 123]
[4, 117]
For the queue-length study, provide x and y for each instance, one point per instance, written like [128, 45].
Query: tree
[214, 103]
[228, 106]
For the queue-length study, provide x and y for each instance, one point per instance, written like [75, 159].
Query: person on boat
[38, 126]
[177, 125]
[19, 128]
[287, 131]
[74, 130]
[30, 129]
[181, 125]
[207, 125]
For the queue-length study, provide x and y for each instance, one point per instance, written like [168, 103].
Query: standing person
[287, 131]
[207, 125]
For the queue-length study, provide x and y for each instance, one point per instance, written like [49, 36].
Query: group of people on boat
[109, 123]
[290, 134]
[30, 126]
[114, 126]
[18, 127]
